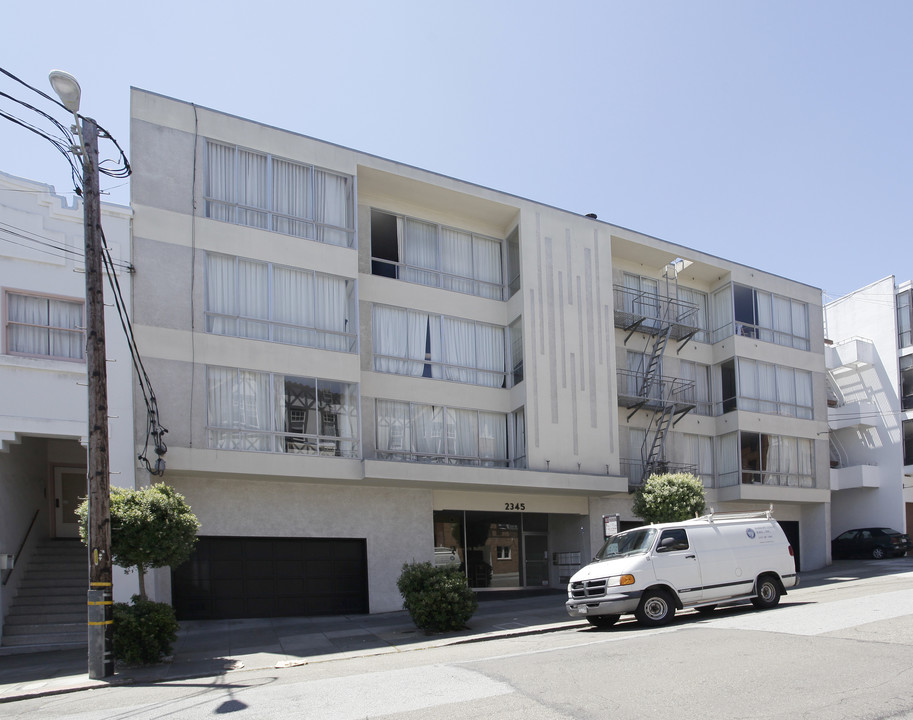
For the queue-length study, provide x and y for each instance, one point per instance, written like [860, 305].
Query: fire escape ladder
[661, 420]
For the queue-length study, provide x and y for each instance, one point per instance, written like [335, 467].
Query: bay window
[745, 311]
[762, 458]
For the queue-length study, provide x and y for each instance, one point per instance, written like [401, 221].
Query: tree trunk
[141, 569]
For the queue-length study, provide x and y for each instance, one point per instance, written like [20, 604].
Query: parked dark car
[871, 542]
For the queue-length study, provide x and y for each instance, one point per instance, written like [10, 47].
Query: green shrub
[670, 497]
[143, 631]
[437, 598]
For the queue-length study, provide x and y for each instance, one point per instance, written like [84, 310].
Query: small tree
[151, 527]
[669, 497]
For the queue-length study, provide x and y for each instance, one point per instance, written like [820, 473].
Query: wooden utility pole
[100, 598]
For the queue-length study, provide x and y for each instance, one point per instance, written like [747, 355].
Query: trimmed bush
[143, 631]
[670, 497]
[437, 598]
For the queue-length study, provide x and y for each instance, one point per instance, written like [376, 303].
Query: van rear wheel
[655, 609]
[768, 593]
[602, 621]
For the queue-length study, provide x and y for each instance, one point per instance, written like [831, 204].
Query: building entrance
[494, 549]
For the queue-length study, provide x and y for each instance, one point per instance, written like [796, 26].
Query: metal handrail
[21, 545]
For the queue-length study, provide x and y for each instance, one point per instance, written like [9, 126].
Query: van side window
[672, 540]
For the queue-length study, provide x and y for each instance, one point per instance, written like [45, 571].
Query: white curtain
[253, 189]
[220, 181]
[331, 311]
[768, 381]
[748, 385]
[238, 409]
[804, 394]
[765, 315]
[220, 395]
[333, 203]
[782, 321]
[800, 325]
[399, 334]
[456, 260]
[67, 341]
[786, 390]
[428, 431]
[490, 343]
[253, 299]
[727, 459]
[806, 463]
[493, 439]
[722, 313]
[294, 306]
[462, 427]
[487, 255]
[221, 294]
[347, 421]
[292, 196]
[49, 326]
[519, 450]
[393, 426]
[700, 318]
[459, 349]
[420, 250]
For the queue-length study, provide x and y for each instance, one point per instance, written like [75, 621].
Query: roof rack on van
[756, 514]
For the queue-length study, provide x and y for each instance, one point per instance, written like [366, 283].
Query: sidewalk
[215, 647]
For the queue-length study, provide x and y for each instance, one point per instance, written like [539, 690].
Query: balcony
[666, 390]
[853, 354]
[854, 477]
[857, 415]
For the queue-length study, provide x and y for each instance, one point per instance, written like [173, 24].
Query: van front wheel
[655, 608]
[768, 593]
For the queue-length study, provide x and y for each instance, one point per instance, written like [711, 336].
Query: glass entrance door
[535, 554]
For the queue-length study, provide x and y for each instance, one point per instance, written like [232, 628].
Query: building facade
[361, 364]
[870, 382]
[43, 425]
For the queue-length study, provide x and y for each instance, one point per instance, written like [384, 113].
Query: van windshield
[630, 542]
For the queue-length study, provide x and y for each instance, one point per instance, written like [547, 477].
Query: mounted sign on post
[610, 524]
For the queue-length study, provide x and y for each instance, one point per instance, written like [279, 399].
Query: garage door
[243, 577]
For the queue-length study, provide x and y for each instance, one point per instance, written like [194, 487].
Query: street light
[100, 622]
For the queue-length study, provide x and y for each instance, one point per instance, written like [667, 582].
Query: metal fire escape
[660, 317]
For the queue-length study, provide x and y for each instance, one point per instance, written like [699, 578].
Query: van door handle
[690, 557]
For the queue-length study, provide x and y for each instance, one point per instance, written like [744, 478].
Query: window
[263, 301]
[908, 442]
[259, 190]
[740, 310]
[905, 318]
[503, 552]
[44, 326]
[433, 433]
[516, 350]
[435, 255]
[697, 386]
[513, 262]
[689, 298]
[776, 460]
[906, 382]
[672, 541]
[774, 389]
[411, 342]
[264, 412]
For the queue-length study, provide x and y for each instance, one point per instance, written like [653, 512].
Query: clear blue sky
[776, 133]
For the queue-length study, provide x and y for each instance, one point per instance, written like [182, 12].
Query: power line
[64, 251]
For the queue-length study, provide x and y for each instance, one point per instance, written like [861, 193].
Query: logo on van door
[750, 533]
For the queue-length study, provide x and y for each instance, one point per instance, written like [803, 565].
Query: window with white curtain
[776, 460]
[261, 300]
[257, 189]
[44, 326]
[416, 432]
[436, 255]
[411, 342]
[774, 389]
[758, 314]
[267, 412]
[697, 387]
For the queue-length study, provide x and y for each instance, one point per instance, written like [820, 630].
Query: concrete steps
[49, 610]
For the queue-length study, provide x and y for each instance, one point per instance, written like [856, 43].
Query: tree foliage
[151, 527]
[669, 497]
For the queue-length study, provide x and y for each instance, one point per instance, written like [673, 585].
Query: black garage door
[243, 577]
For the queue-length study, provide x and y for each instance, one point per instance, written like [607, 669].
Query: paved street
[841, 649]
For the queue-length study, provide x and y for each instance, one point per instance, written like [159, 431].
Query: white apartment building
[870, 370]
[43, 402]
[361, 364]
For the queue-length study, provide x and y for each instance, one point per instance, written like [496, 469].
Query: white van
[653, 570]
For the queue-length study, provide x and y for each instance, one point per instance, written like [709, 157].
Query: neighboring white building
[870, 367]
[43, 426]
[360, 361]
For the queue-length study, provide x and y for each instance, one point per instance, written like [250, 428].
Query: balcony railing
[649, 312]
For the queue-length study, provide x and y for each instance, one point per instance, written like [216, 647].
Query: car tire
[656, 608]
[878, 553]
[602, 621]
[768, 593]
